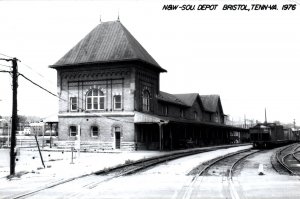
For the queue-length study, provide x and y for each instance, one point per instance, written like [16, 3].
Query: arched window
[95, 100]
[146, 100]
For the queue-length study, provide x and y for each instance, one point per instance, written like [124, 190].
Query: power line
[5, 55]
[55, 94]
[5, 65]
[38, 73]
[39, 85]
[67, 100]
[5, 71]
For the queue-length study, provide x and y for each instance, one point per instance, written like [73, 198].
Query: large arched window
[95, 100]
[146, 100]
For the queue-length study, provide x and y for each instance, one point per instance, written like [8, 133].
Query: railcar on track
[268, 135]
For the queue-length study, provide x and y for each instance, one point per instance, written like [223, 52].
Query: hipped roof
[107, 42]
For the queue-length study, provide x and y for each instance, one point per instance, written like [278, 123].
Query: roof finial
[100, 19]
[118, 16]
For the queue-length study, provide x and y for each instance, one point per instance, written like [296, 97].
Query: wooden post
[160, 136]
[171, 138]
[50, 134]
[72, 150]
[14, 119]
[37, 143]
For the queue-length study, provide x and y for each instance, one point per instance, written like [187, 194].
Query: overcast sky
[251, 59]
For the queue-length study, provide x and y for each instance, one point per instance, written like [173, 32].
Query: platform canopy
[143, 118]
[51, 119]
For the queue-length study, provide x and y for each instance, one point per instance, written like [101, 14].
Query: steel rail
[188, 192]
[281, 161]
[145, 164]
[222, 158]
[295, 152]
[295, 156]
[236, 163]
[142, 165]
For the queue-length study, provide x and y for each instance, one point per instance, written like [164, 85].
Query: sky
[250, 58]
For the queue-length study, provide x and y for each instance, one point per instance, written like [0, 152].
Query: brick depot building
[109, 87]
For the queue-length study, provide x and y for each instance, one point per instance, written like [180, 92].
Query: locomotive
[268, 135]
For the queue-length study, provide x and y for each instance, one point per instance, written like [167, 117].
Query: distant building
[51, 126]
[27, 130]
[4, 127]
[37, 128]
[109, 89]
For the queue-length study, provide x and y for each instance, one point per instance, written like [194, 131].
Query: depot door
[117, 137]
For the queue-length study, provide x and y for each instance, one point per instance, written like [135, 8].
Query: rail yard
[212, 172]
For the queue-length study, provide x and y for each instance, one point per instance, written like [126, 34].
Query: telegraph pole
[14, 115]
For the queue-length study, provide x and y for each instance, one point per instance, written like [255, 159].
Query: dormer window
[195, 115]
[181, 113]
[165, 110]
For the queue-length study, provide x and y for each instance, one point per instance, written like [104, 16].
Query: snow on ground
[58, 170]
[270, 185]
[163, 181]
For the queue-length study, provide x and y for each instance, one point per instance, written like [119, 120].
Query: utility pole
[14, 115]
[294, 124]
[265, 115]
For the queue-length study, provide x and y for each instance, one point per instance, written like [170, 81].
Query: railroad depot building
[109, 87]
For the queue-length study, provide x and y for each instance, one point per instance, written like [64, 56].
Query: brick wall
[146, 79]
[105, 124]
[111, 80]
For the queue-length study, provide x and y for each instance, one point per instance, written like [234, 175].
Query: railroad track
[122, 170]
[286, 158]
[230, 161]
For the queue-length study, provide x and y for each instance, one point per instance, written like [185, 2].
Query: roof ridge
[108, 41]
[128, 34]
[126, 37]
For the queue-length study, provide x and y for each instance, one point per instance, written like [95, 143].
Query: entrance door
[117, 137]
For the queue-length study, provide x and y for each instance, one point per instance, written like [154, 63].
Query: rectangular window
[73, 131]
[73, 103]
[117, 102]
[181, 113]
[101, 103]
[89, 103]
[95, 103]
[94, 131]
[165, 110]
